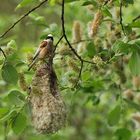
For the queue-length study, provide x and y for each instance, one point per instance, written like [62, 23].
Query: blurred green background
[106, 103]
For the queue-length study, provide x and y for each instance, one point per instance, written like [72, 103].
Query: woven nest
[48, 108]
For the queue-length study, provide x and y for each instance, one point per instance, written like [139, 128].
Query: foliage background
[105, 105]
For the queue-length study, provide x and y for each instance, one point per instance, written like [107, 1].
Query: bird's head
[50, 37]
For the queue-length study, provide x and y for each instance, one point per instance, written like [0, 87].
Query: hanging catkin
[48, 108]
[94, 25]
[76, 32]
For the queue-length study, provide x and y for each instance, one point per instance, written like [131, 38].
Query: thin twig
[138, 17]
[70, 46]
[86, 61]
[56, 47]
[64, 33]
[3, 53]
[72, 49]
[80, 73]
[15, 23]
[106, 2]
[83, 40]
[22, 17]
[58, 42]
[121, 19]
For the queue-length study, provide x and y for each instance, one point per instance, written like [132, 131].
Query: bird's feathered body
[44, 50]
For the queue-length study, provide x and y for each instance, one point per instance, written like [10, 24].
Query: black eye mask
[50, 37]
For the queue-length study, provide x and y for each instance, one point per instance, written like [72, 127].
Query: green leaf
[89, 3]
[87, 88]
[128, 29]
[129, 1]
[37, 19]
[8, 115]
[134, 63]
[123, 134]
[52, 2]
[137, 44]
[19, 123]
[24, 3]
[121, 47]
[12, 44]
[9, 74]
[132, 104]
[114, 116]
[15, 97]
[95, 100]
[86, 75]
[3, 111]
[20, 63]
[91, 49]
[106, 12]
[66, 1]
[135, 24]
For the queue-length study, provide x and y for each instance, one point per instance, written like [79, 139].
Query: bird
[44, 50]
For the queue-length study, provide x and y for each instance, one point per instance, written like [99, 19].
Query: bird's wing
[36, 53]
[31, 65]
[42, 45]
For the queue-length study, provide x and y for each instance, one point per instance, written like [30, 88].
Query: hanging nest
[48, 108]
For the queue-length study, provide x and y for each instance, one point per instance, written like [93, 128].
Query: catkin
[136, 117]
[94, 26]
[29, 58]
[128, 94]
[73, 80]
[98, 61]
[76, 32]
[136, 120]
[138, 98]
[22, 82]
[136, 82]
[102, 1]
[117, 13]
[9, 51]
[29, 61]
[64, 50]
[81, 47]
[73, 65]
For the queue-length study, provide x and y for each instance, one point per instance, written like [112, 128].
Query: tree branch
[121, 19]
[22, 17]
[3, 53]
[83, 40]
[56, 47]
[58, 42]
[64, 33]
[106, 2]
[136, 18]
[69, 44]
[80, 73]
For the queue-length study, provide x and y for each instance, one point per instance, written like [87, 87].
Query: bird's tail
[31, 65]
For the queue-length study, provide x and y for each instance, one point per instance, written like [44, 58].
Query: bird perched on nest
[44, 50]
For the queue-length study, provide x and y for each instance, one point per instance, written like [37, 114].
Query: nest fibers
[47, 106]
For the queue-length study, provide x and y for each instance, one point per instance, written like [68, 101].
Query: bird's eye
[51, 38]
